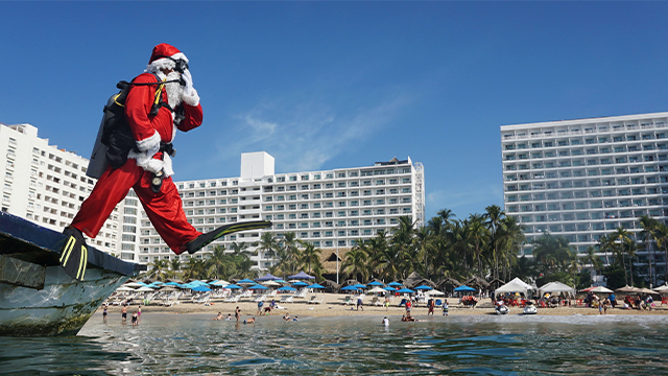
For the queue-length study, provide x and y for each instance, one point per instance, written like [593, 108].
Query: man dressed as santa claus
[153, 120]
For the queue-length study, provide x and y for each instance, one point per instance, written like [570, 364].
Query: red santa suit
[164, 208]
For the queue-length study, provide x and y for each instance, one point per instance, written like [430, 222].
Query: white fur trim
[149, 143]
[191, 98]
[146, 162]
[167, 167]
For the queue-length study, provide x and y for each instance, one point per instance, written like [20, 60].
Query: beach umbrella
[376, 283]
[232, 286]
[246, 282]
[144, 289]
[377, 290]
[280, 281]
[316, 286]
[388, 288]
[125, 288]
[219, 282]
[258, 287]
[301, 275]
[270, 283]
[601, 289]
[464, 288]
[405, 291]
[359, 286]
[423, 287]
[661, 289]
[436, 292]
[167, 289]
[300, 284]
[172, 284]
[201, 288]
[627, 289]
[394, 284]
[287, 288]
[349, 288]
[267, 277]
[645, 290]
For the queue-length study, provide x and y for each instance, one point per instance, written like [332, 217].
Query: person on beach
[249, 321]
[446, 307]
[139, 312]
[360, 303]
[296, 318]
[135, 319]
[286, 317]
[430, 307]
[229, 317]
[386, 321]
[408, 307]
[104, 312]
[154, 111]
[124, 313]
[387, 303]
[267, 310]
[259, 308]
[219, 317]
[613, 300]
[237, 313]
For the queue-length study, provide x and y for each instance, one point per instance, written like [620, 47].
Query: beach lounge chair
[286, 299]
[260, 298]
[438, 303]
[233, 299]
[348, 300]
[375, 301]
[402, 303]
[300, 294]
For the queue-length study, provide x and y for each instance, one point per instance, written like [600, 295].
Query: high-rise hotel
[330, 208]
[584, 178]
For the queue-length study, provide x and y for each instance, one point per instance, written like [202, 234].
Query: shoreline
[333, 306]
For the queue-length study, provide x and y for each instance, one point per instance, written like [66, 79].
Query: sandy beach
[333, 305]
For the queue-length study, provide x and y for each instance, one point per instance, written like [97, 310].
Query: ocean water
[360, 345]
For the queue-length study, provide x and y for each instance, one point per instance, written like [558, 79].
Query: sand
[333, 305]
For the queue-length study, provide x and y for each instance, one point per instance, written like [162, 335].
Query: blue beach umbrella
[201, 288]
[280, 281]
[394, 284]
[405, 291]
[287, 288]
[349, 288]
[316, 286]
[359, 286]
[376, 283]
[423, 287]
[388, 288]
[301, 275]
[258, 287]
[172, 284]
[232, 286]
[464, 288]
[300, 284]
[246, 281]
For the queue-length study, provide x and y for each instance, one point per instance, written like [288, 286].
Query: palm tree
[447, 215]
[218, 262]
[158, 270]
[174, 267]
[661, 242]
[355, 261]
[195, 268]
[423, 240]
[494, 214]
[648, 225]
[310, 256]
[619, 239]
[268, 244]
[478, 234]
[594, 260]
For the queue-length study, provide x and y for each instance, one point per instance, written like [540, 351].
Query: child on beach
[386, 321]
[446, 307]
[220, 316]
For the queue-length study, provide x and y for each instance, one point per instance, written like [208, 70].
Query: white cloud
[306, 135]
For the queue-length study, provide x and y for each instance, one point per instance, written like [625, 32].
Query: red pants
[164, 209]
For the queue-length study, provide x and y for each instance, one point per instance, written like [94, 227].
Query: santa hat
[160, 57]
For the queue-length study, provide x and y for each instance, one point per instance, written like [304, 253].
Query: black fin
[74, 256]
[204, 239]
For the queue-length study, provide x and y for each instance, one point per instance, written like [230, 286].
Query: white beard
[174, 90]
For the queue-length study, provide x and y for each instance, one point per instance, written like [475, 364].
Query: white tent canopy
[555, 288]
[516, 285]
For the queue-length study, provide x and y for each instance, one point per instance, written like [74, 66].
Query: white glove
[189, 93]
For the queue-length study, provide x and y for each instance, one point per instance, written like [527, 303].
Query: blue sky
[323, 85]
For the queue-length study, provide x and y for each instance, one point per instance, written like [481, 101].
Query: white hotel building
[46, 185]
[584, 178]
[330, 208]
